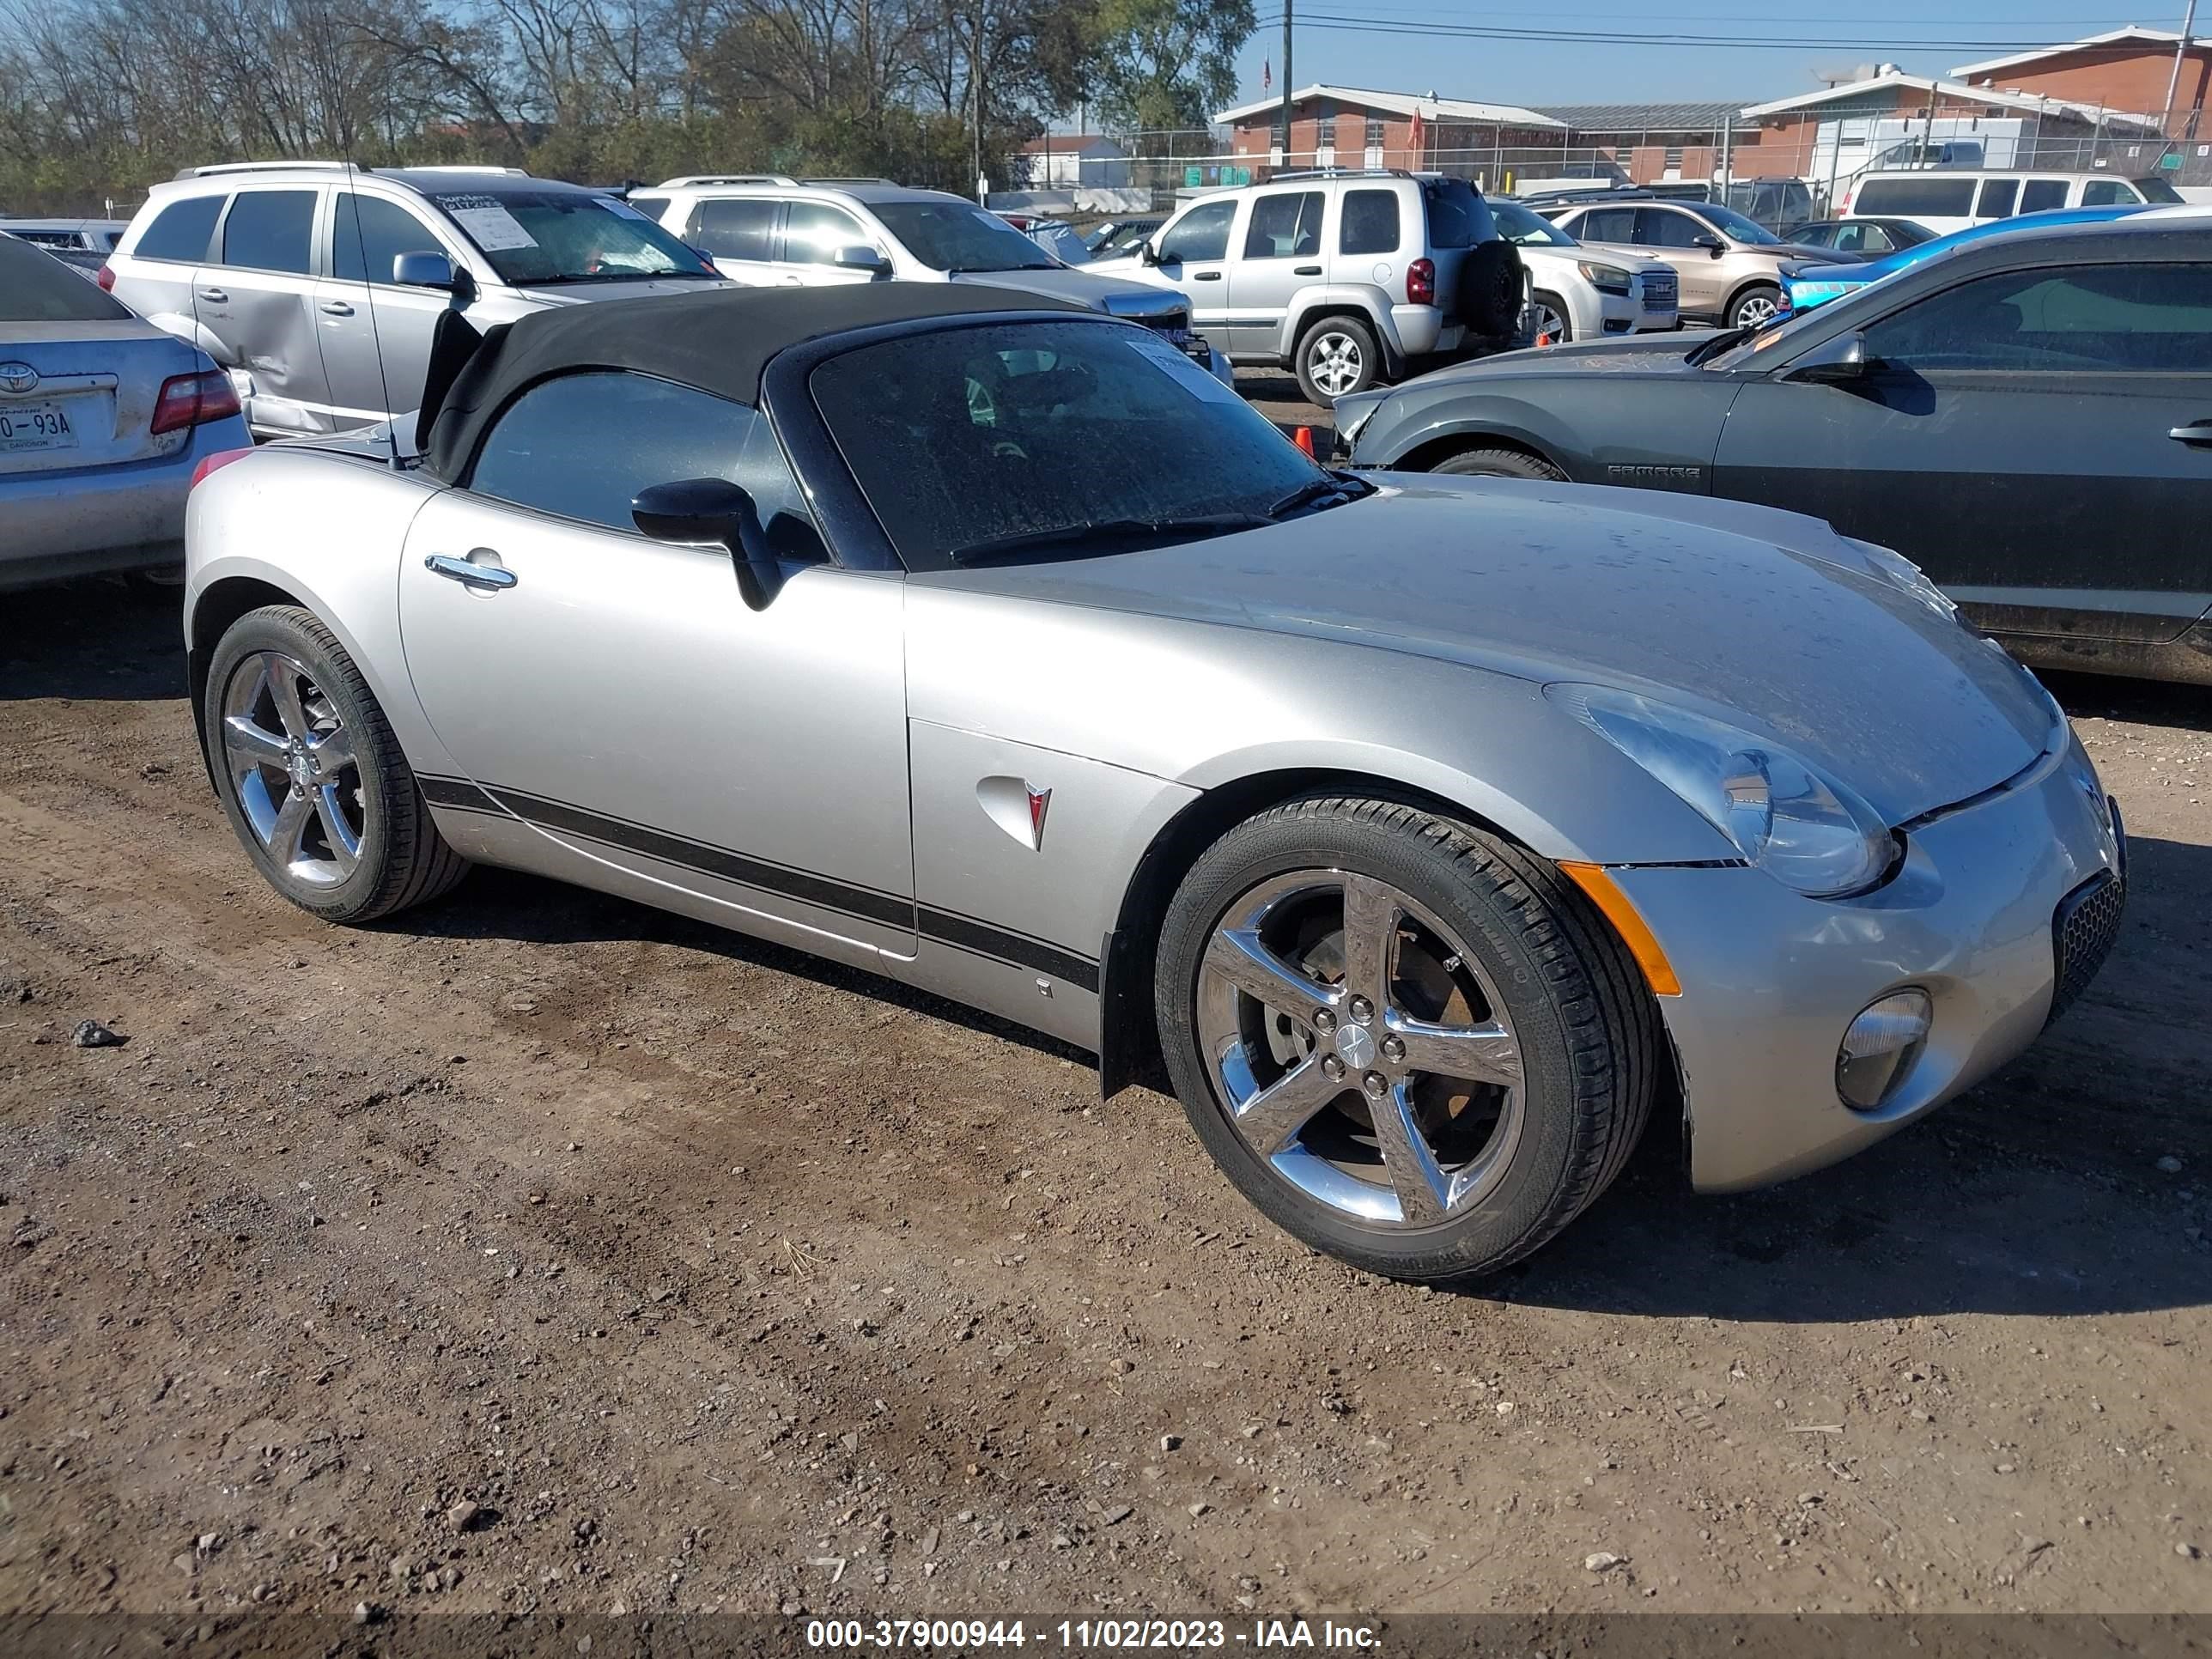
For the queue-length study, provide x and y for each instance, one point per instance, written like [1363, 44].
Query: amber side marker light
[1599, 887]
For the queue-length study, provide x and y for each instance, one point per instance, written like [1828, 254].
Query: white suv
[1348, 278]
[1577, 294]
[765, 229]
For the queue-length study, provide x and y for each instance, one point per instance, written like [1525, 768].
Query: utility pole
[976, 86]
[2172, 80]
[1283, 121]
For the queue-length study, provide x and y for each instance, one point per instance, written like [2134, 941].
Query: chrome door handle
[2198, 432]
[337, 308]
[468, 571]
[216, 295]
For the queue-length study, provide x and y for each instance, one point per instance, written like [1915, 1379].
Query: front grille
[2083, 931]
[1659, 290]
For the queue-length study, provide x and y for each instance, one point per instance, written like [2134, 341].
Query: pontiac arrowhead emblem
[1040, 802]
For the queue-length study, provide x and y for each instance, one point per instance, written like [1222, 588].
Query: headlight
[1902, 573]
[1807, 831]
[1605, 279]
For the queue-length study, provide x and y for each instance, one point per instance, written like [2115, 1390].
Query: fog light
[1880, 1048]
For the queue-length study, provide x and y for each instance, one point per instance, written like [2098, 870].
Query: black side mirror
[717, 512]
[1836, 361]
[1711, 243]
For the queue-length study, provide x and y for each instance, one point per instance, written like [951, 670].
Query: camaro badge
[1017, 806]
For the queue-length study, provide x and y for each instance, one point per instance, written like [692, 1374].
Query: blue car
[1806, 286]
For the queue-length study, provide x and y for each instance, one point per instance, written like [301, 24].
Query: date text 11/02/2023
[1081, 1635]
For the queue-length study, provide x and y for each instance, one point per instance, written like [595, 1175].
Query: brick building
[1355, 127]
[2127, 69]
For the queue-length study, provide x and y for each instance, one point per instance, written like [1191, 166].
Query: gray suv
[316, 285]
[1347, 278]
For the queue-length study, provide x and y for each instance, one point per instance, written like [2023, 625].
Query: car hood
[575, 293]
[1537, 255]
[1619, 354]
[1767, 620]
[1100, 292]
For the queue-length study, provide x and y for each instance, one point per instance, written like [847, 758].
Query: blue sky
[1516, 71]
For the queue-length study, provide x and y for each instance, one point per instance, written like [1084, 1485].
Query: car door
[738, 233]
[2039, 440]
[156, 278]
[257, 300]
[813, 234]
[1671, 234]
[1193, 255]
[375, 333]
[617, 694]
[1280, 254]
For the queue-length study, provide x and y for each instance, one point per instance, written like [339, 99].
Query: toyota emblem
[17, 377]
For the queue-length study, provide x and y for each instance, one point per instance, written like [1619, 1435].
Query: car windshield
[2155, 189]
[1727, 219]
[952, 235]
[534, 237]
[1518, 224]
[36, 288]
[1052, 441]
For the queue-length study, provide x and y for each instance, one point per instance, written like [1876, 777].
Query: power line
[1631, 38]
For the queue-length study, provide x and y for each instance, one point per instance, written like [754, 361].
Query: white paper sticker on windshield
[492, 227]
[1193, 380]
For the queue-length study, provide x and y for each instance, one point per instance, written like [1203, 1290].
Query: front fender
[1416, 422]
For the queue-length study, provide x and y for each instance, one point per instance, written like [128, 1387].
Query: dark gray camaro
[2029, 420]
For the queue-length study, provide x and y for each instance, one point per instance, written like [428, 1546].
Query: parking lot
[539, 1251]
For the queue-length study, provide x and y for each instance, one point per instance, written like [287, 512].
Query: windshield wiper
[1713, 344]
[614, 276]
[990, 270]
[1312, 494]
[1115, 530]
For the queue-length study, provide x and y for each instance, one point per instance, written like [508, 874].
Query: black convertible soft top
[719, 340]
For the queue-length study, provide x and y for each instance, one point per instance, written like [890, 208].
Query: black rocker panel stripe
[892, 911]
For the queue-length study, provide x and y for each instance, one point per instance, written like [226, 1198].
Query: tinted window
[1285, 226]
[1945, 199]
[1998, 196]
[2096, 320]
[1201, 234]
[814, 231]
[1516, 224]
[1657, 227]
[181, 230]
[1719, 217]
[2158, 190]
[2108, 192]
[651, 204]
[2041, 195]
[269, 230]
[584, 445]
[734, 230]
[37, 288]
[965, 435]
[369, 232]
[1457, 217]
[1368, 224]
[1607, 225]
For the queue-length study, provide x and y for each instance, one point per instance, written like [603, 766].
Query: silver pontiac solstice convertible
[1419, 833]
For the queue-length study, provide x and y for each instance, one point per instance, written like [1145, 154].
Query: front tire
[1499, 464]
[1411, 1044]
[1754, 305]
[1550, 324]
[312, 776]
[1337, 356]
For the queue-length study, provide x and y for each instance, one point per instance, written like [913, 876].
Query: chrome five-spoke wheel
[1359, 1049]
[293, 766]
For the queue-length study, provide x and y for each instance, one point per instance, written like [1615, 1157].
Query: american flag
[1266, 73]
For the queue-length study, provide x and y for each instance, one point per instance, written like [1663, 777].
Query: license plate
[35, 426]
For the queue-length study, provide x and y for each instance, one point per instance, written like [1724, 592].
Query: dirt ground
[540, 1251]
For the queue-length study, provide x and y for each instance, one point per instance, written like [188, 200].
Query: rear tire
[1490, 290]
[1339, 1116]
[313, 778]
[1499, 464]
[1337, 356]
